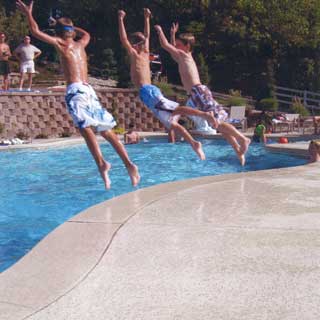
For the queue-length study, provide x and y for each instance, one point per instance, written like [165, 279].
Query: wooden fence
[310, 100]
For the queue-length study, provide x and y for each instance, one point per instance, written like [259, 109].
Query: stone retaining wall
[33, 114]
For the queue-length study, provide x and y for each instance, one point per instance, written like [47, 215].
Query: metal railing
[310, 100]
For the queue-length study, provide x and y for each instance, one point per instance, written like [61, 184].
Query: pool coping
[64, 142]
[38, 279]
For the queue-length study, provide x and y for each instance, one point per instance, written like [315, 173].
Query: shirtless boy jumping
[151, 96]
[82, 102]
[200, 95]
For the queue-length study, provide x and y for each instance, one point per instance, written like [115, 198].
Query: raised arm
[174, 52]
[123, 33]
[174, 29]
[34, 28]
[85, 36]
[37, 54]
[147, 16]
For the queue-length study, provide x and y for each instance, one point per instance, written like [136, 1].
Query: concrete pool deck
[237, 246]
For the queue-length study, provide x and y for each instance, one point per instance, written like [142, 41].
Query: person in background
[5, 54]
[260, 132]
[131, 136]
[26, 53]
[314, 151]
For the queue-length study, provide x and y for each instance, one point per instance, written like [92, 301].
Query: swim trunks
[4, 68]
[161, 107]
[85, 108]
[27, 67]
[201, 98]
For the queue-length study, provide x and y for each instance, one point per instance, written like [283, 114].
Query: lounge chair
[290, 122]
[237, 117]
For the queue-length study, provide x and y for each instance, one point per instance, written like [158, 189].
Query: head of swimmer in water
[64, 28]
[138, 41]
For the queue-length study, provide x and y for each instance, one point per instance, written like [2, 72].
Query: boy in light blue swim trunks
[151, 96]
[82, 102]
[85, 108]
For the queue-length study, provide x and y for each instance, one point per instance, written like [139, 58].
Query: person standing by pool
[82, 102]
[26, 53]
[200, 95]
[5, 54]
[151, 96]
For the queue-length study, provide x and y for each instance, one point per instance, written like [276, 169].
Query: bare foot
[197, 147]
[244, 145]
[134, 174]
[104, 170]
[241, 158]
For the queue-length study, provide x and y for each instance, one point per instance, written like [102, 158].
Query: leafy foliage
[298, 107]
[268, 104]
[246, 44]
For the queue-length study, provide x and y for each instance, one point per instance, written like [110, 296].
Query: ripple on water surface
[43, 188]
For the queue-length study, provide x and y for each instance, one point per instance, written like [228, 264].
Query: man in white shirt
[26, 53]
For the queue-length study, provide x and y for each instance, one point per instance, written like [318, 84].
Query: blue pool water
[43, 188]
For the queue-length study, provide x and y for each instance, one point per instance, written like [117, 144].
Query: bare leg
[235, 145]
[237, 140]
[120, 149]
[95, 150]
[21, 81]
[187, 111]
[229, 130]
[30, 81]
[6, 82]
[171, 136]
[196, 146]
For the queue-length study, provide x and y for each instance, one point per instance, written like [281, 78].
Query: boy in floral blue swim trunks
[151, 96]
[82, 102]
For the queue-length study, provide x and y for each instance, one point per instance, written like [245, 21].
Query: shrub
[65, 134]
[1, 128]
[119, 130]
[298, 107]
[41, 136]
[22, 135]
[268, 104]
[166, 88]
[236, 99]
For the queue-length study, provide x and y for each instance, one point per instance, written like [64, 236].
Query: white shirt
[26, 52]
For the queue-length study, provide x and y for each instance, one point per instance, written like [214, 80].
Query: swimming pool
[43, 188]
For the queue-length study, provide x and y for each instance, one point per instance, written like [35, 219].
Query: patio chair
[237, 117]
[290, 123]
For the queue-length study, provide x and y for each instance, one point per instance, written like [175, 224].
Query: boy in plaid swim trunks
[200, 96]
[82, 102]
